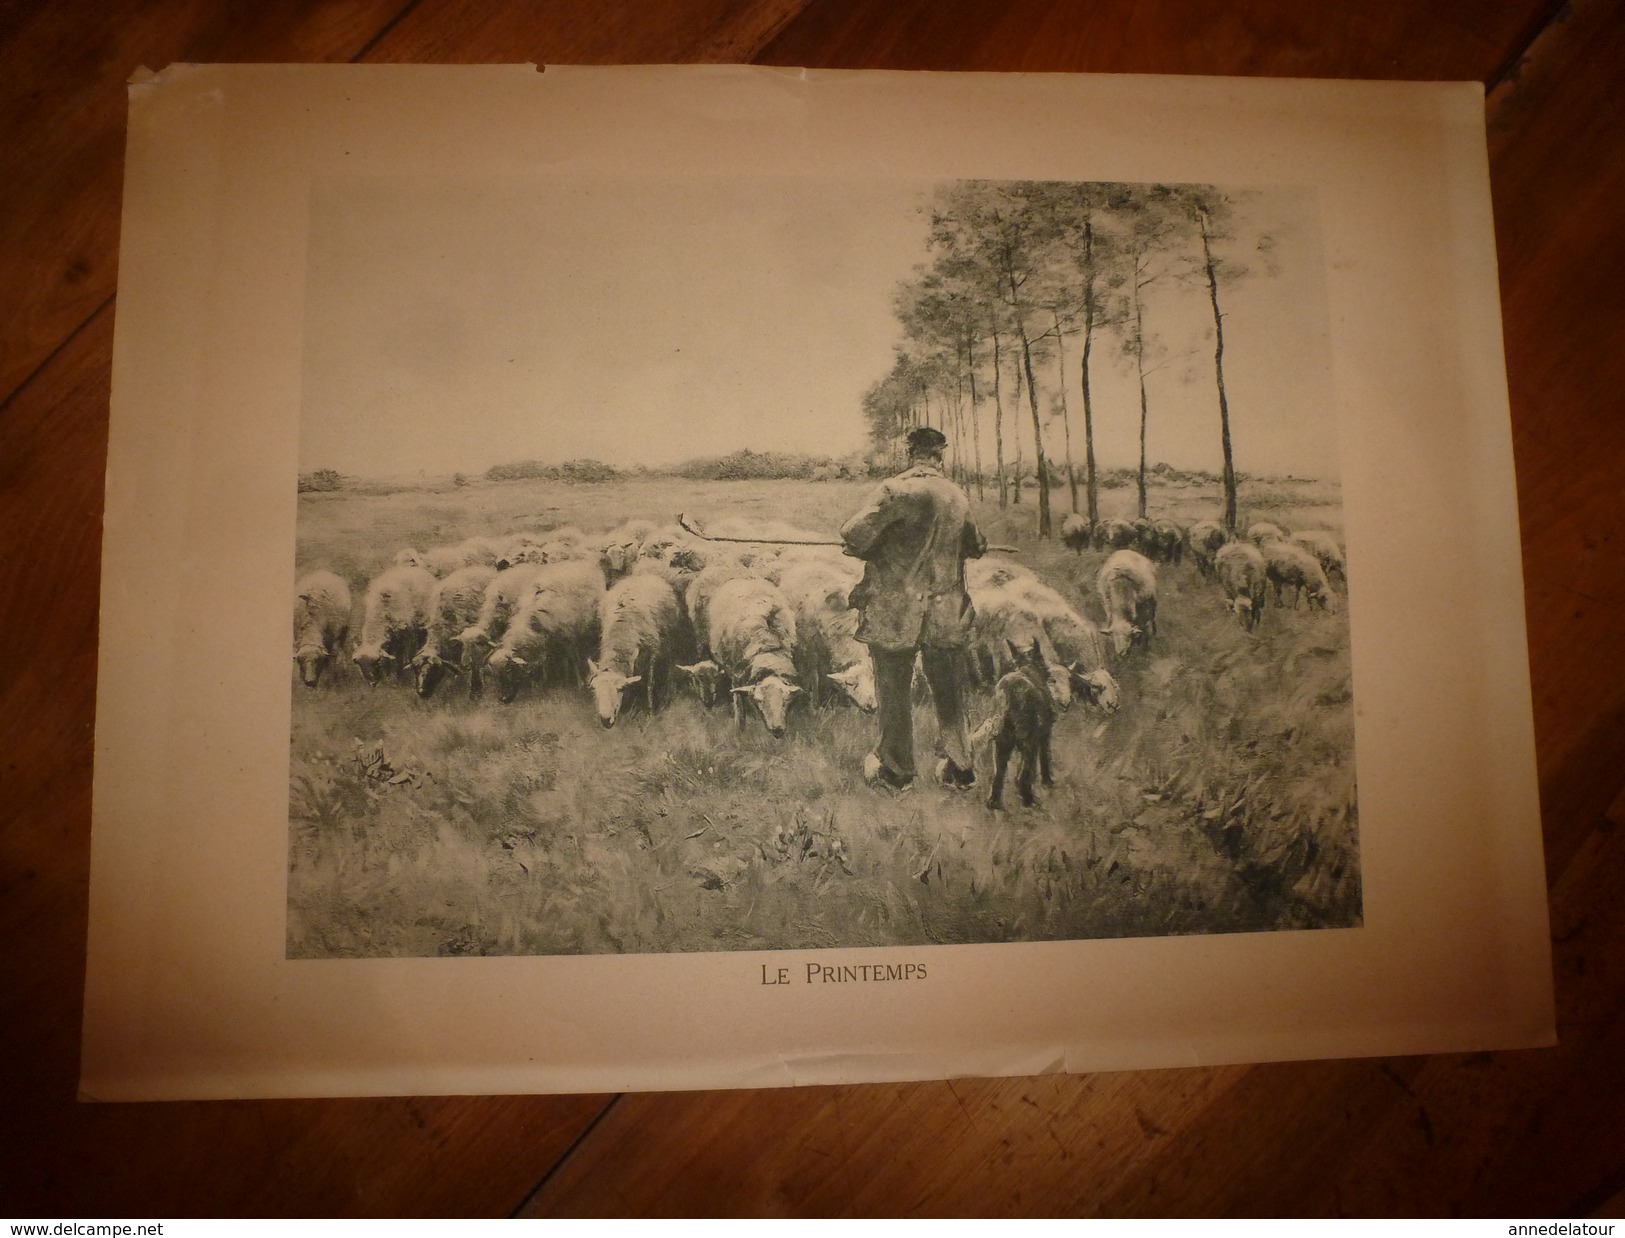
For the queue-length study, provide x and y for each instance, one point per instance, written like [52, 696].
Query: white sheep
[619, 548]
[1165, 541]
[1263, 531]
[321, 622]
[1115, 535]
[1005, 619]
[751, 631]
[697, 594]
[1327, 552]
[1076, 533]
[1287, 565]
[1127, 584]
[1206, 538]
[470, 552]
[454, 605]
[1076, 643]
[638, 628]
[1240, 569]
[504, 595]
[995, 573]
[826, 632]
[556, 623]
[394, 621]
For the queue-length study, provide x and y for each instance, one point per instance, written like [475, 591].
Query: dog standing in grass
[1023, 721]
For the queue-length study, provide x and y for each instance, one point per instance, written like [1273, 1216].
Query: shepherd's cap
[926, 438]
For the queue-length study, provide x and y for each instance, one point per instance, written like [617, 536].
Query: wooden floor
[1526, 1133]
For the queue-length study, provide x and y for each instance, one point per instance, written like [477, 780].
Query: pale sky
[450, 327]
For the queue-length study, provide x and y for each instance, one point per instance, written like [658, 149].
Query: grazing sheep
[619, 548]
[454, 605]
[637, 622]
[751, 631]
[1023, 721]
[321, 622]
[1077, 645]
[1142, 534]
[1076, 534]
[1291, 566]
[503, 596]
[826, 632]
[1127, 584]
[1264, 531]
[558, 622]
[394, 621]
[1165, 542]
[995, 573]
[1005, 618]
[471, 552]
[707, 677]
[1327, 552]
[1240, 568]
[1206, 538]
[1115, 535]
[410, 557]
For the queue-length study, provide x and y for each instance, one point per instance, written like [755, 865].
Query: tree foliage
[1022, 280]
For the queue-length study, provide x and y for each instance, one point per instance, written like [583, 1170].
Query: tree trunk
[998, 425]
[975, 418]
[1090, 485]
[1218, 371]
[1139, 365]
[1040, 464]
[1066, 416]
[1015, 429]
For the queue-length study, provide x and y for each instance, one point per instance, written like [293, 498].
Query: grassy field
[1220, 798]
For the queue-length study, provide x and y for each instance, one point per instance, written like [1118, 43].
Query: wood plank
[586, 32]
[1556, 133]
[1276, 38]
[62, 97]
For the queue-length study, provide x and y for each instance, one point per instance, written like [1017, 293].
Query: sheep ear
[518, 661]
[1014, 652]
[592, 667]
[741, 691]
[633, 680]
[794, 688]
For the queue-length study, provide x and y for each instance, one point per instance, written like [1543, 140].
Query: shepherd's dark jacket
[914, 534]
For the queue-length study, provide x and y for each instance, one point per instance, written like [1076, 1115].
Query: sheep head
[312, 660]
[858, 683]
[374, 662]
[772, 696]
[706, 675]
[429, 671]
[1123, 633]
[608, 687]
[509, 670]
[1098, 688]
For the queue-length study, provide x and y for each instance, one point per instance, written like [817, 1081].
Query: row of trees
[1026, 277]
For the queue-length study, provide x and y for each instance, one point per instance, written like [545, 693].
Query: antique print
[704, 565]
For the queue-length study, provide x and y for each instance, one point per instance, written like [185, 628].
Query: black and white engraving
[597, 646]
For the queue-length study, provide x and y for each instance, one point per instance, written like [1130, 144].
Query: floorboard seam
[564, 1158]
[383, 33]
[1508, 71]
[51, 356]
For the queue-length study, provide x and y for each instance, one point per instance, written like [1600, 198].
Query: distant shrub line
[741, 465]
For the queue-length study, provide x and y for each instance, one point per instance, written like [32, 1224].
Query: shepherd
[914, 535]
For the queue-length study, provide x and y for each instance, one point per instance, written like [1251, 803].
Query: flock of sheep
[618, 612]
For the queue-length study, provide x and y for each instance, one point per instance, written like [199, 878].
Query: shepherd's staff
[783, 541]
